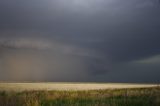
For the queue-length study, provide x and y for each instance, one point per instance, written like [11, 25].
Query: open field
[68, 86]
[79, 94]
[108, 97]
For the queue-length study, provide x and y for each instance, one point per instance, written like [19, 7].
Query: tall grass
[121, 97]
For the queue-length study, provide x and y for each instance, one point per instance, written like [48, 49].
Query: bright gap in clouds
[84, 3]
[90, 2]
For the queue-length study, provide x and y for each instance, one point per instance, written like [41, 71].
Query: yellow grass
[68, 86]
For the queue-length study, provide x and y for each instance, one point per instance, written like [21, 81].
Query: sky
[80, 40]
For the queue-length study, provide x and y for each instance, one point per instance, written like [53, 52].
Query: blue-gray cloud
[103, 40]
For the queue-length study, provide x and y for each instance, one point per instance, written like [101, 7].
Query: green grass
[119, 97]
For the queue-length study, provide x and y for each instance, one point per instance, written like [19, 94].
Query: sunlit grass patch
[117, 97]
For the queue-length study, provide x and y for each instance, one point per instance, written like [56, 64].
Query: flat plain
[68, 86]
[79, 94]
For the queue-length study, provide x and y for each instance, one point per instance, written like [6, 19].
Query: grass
[68, 86]
[116, 97]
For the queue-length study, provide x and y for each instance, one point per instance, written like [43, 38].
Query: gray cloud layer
[80, 40]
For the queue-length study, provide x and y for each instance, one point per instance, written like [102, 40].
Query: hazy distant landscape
[68, 86]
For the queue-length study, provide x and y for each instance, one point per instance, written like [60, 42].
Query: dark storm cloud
[103, 38]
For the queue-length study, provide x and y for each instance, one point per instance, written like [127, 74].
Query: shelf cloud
[80, 40]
